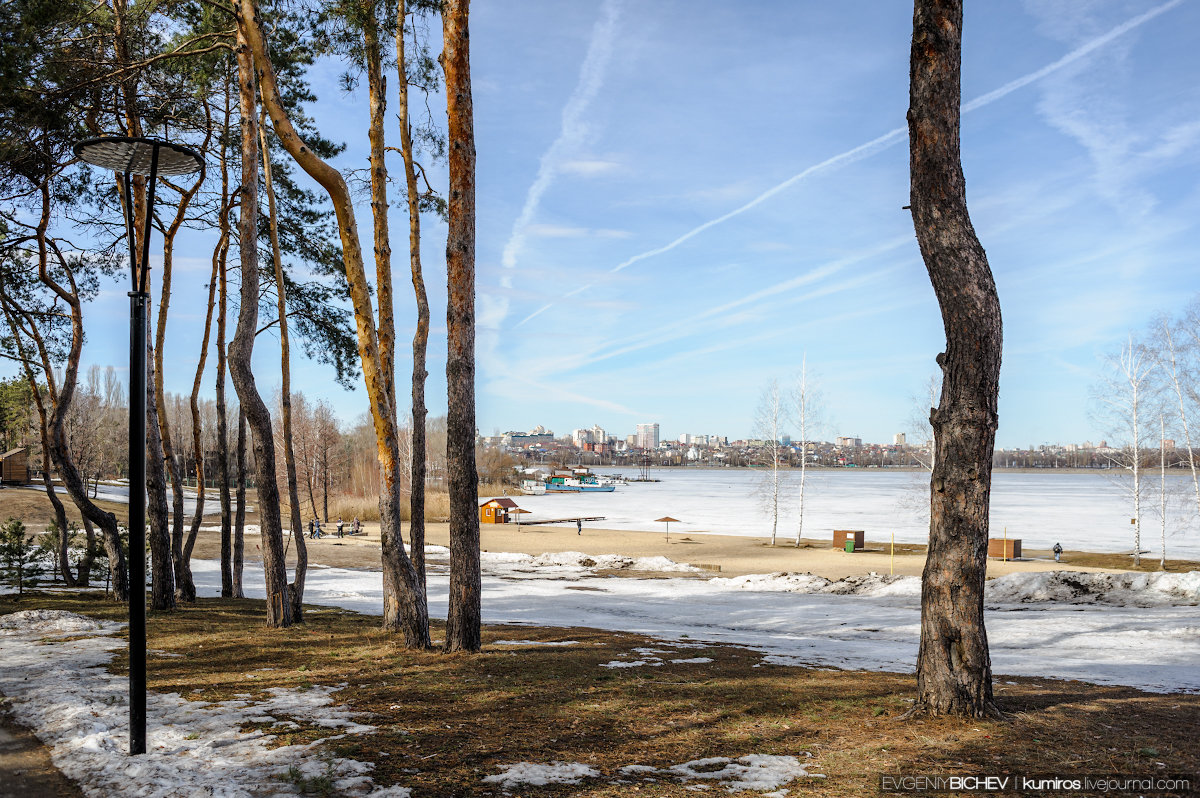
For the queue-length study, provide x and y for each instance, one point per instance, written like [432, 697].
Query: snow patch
[871, 584]
[63, 691]
[692, 661]
[1075, 587]
[754, 772]
[535, 643]
[541, 775]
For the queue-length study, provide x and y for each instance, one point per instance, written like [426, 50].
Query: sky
[678, 202]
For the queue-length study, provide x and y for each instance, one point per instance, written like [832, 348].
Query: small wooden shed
[14, 466]
[495, 511]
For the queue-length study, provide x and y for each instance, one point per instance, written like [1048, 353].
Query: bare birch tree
[769, 420]
[1126, 400]
[806, 404]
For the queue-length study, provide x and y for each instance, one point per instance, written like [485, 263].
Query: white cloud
[589, 167]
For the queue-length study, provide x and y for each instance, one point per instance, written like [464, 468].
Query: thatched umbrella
[667, 520]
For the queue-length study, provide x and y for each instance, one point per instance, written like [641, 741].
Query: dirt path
[25, 767]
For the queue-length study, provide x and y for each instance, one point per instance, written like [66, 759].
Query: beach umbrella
[518, 512]
[666, 519]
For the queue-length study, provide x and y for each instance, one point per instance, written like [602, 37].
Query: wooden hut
[495, 511]
[14, 466]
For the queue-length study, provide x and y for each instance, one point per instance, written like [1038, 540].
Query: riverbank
[720, 555]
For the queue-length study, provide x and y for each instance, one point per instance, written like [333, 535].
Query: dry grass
[32, 506]
[446, 721]
[437, 504]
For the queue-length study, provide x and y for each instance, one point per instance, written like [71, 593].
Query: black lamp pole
[129, 156]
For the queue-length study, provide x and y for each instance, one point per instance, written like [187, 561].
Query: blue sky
[679, 201]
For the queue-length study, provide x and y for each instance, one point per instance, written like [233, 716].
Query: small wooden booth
[842, 536]
[14, 466]
[1005, 548]
[496, 511]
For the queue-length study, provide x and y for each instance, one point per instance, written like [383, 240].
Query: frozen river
[1088, 511]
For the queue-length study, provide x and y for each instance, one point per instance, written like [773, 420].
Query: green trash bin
[850, 546]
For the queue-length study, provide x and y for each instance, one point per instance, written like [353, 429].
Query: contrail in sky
[881, 143]
[571, 135]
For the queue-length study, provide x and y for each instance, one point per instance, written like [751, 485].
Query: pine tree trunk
[279, 607]
[185, 588]
[954, 675]
[463, 617]
[296, 588]
[162, 569]
[238, 543]
[222, 255]
[405, 607]
[194, 407]
[416, 496]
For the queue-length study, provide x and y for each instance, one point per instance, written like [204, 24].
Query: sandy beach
[721, 555]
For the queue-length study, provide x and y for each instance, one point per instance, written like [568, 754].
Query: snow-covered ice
[52, 671]
[1085, 512]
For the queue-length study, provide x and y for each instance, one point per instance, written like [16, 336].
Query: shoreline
[717, 555]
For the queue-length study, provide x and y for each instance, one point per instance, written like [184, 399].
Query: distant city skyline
[678, 203]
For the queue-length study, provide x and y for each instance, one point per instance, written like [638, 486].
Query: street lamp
[149, 157]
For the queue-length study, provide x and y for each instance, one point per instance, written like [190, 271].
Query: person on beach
[579, 526]
[1057, 552]
[340, 526]
[356, 527]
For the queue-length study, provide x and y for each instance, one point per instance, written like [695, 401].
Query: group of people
[316, 533]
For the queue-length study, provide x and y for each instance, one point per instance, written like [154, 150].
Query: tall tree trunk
[222, 255]
[463, 617]
[404, 607]
[185, 587]
[420, 345]
[162, 569]
[296, 588]
[279, 607]
[194, 407]
[954, 674]
[237, 555]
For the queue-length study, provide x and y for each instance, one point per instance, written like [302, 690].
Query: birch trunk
[954, 675]
[463, 616]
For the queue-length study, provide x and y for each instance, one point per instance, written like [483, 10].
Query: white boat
[533, 487]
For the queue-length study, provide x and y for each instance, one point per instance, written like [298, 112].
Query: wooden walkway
[542, 521]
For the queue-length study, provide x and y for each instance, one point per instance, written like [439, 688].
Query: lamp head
[134, 155]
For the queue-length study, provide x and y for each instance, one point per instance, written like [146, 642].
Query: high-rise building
[599, 435]
[898, 439]
[647, 436]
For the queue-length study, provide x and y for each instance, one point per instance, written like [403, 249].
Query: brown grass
[437, 504]
[454, 719]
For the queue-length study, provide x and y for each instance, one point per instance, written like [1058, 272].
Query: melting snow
[62, 690]
[540, 775]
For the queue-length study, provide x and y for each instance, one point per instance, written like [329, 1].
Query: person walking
[318, 529]
[340, 526]
[579, 526]
[1057, 552]
[356, 527]
[310, 527]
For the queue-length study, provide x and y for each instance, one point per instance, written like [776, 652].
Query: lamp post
[149, 157]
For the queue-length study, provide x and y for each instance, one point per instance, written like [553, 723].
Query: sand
[732, 555]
